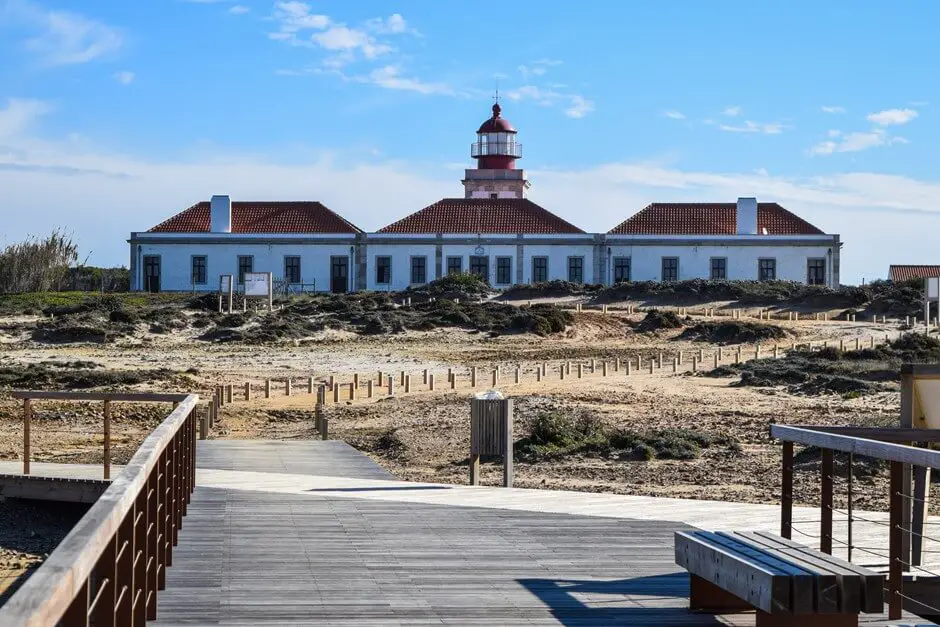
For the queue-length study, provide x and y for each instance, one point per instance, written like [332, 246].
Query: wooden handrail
[55, 588]
[135, 397]
[888, 451]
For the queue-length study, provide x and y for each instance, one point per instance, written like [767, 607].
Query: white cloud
[394, 24]
[61, 37]
[890, 117]
[86, 188]
[579, 107]
[833, 109]
[749, 126]
[239, 9]
[834, 133]
[20, 115]
[390, 77]
[125, 77]
[855, 142]
[341, 37]
[537, 68]
[674, 115]
[733, 112]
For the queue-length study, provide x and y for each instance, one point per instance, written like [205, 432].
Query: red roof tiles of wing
[906, 273]
[711, 219]
[262, 217]
[482, 215]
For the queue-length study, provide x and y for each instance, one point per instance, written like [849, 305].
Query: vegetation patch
[830, 371]
[554, 434]
[548, 289]
[463, 286]
[78, 375]
[733, 332]
[658, 320]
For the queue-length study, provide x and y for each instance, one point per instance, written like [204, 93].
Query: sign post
[260, 284]
[931, 292]
[227, 289]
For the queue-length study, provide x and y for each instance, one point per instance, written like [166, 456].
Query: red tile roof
[906, 273]
[699, 218]
[262, 217]
[482, 215]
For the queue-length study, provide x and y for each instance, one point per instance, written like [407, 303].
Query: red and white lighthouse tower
[496, 151]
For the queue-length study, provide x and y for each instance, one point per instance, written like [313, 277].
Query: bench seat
[788, 584]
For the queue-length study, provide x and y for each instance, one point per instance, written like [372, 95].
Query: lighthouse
[495, 151]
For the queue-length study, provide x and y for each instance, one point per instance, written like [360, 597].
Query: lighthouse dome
[496, 124]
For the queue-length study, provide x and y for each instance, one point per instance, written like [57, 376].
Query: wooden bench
[787, 583]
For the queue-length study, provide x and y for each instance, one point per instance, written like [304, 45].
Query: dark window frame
[767, 269]
[476, 264]
[203, 272]
[291, 268]
[820, 270]
[386, 266]
[723, 269]
[579, 266]
[423, 278]
[619, 264]
[672, 271]
[244, 269]
[450, 265]
[536, 270]
[504, 268]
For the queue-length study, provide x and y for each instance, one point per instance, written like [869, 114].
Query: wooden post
[310, 384]
[247, 390]
[538, 375]
[786, 494]
[356, 380]
[287, 388]
[336, 392]
[580, 370]
[267, 388]
[431, 382]
[776, 351]
[204, 424]
[474, 469]
[402, 379]
[473, 376]
[629, 365]
[407, 384]
[425, 373]
[616, 364]
[567, 367]
[604, 368]
[453, 381]
[701, 354]
[391, 386]
[825, 505]
[737, 356]
[757, 352]
[369, 388]
[107, 440]
[325, 428]
[561, 371]
[352, 391]
[495, 377]
[652, 365]
[517, 375]
[716, 360]
[228, 393]
[694, 363]
[679, 357]
[318, 418]
[659, 361]
[593, 365]
[895, 542]
[27, 418]
[841, 346]
[872, 344]
[332, 381]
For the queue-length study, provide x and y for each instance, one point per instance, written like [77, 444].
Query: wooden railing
[108, 569]
[907, 508]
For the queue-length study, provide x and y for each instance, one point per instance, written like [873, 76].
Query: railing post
[107, 440]
[895, 566]
[825, 523]
[27, 417]
[786, 494]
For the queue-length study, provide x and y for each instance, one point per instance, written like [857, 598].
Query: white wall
[176, 262]
[558, 255]
[695, 261]
[401, 255]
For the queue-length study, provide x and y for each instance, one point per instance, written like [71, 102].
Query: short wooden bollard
[379, 378]
[737, 356]
[639, 363]
[287, 387]
[332, 381]
[107, 439]
[652, 364]
[425, 375]
[491, 434]
[356, 380]
[229, 393]
[453, 381]
[694, 363]
[716, 360]
[841, 345]
[604, 368]
[872, 342]
[495, 378]
[369, 388]
[450, 374]
[352, 391]
[675, 364]
[402, 379]
[593, 366]
[718, 356]
[561, 371]
[580, 370]
[701, 354]
[616, 364]
[757, 352]
[776, 351]
[659, 360]
[318, 418]
[267, 388]
[204, 425]
[391, 386]
[517, 376]
[628, 365]
[247, 391]
[857, 343]
[473, 376]
[538, 375]
[544, 368]
[325, 428]
[407, 378]
[679, 357]
[336, 392]
[431, 382]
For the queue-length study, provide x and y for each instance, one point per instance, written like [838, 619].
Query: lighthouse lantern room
[496, 151]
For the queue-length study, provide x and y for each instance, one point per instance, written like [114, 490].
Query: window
[383, 270]
[767, 269]
[419, 270]
[503, 270]
[292, 269]
[454, 265]
[199, 269]
[719, 269]
[576, 269]
[480, 266]
[245, 264]
[494, 195]
[816, 271]
[539, 269]
[670, 269]
[621, 269]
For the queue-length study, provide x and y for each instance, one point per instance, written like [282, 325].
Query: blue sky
[114, 115]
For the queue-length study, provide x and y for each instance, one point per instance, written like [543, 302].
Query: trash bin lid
[489, 395]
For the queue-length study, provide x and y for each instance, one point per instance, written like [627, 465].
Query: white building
[493, 231]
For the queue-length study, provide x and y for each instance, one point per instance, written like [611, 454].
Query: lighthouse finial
[496, 108]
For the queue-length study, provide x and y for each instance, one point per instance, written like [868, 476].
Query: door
[151, 273]
[339, 274]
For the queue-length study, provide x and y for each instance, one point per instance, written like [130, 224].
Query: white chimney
[746, 216]
[220, 214]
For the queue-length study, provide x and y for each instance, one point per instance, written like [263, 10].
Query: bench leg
[704, 596]
[806, 620]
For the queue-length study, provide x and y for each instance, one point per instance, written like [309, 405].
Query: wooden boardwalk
[301, 533]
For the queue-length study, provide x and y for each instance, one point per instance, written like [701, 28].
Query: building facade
[493, 231]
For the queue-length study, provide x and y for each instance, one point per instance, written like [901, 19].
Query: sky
[115, 115]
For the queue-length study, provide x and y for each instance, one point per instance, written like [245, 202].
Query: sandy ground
[425, 436]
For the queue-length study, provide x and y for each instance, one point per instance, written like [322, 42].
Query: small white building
[493, 231]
